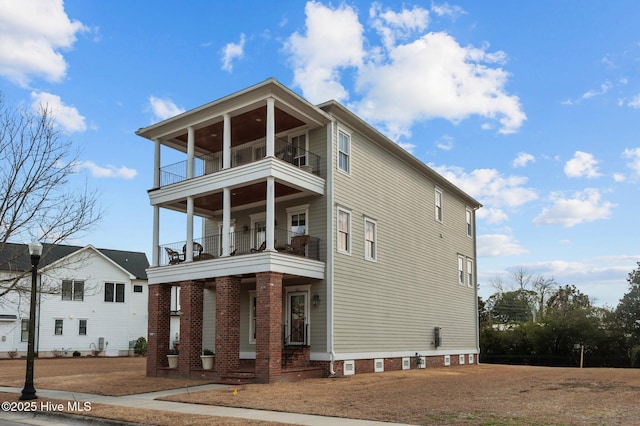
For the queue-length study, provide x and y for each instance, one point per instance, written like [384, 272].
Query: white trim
[378, 365]
[349, 154]
[406, 363]
[304, 208]
[373, 258]
[306, 291]
[461, 270]
[438, 205]
[468, 217]
[304, 133]
[252, 300]
[469, 275]
[348, 367]
[349, 231]
[341, 356]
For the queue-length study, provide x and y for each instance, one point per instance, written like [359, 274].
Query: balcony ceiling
[246, 127]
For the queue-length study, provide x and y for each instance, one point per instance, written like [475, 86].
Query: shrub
[76, 353]
[207, 352]
[140, 348]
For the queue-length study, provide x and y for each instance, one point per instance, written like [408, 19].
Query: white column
[271, 213]
[155, 252]
[226, 142]
[271, 127]
[189, 246]
[226, 220]
[191, 149]
[156, 164]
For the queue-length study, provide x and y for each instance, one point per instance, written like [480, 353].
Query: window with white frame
[298, 220]
[259, 229]
[344, 231]
[438, 203]
[232, 236]
[24, 330]
[370, 239]
[469, 223]
[299, 143]
[72, 290]
[58, 327]
[344, 152]
[470, 273]
[460, 270]
[114, 292]
[252, 317]
[82, 327]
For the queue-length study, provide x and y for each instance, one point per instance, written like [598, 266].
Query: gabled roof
[15, 257]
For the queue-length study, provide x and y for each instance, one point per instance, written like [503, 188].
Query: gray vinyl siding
[395, 303]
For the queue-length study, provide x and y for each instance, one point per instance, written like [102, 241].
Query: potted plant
[172, 357]
[207, 359]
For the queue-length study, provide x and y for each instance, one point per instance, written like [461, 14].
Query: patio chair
[298, 245]
[197, 250]
[174, 256]
[261, 248]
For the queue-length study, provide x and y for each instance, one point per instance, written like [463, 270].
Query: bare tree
[37, 199]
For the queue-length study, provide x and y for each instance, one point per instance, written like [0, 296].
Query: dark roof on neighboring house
[15, 257]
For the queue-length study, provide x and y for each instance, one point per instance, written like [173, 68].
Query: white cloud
[164, 108]
[604, 88]
[494, 245]
[633, 155]
[232, 51]
[32, 33]
[583, 206]
[522, 159]
[619, 177]
[490, 187]
[634, 102]
[491, 215]
[333, 40]
[445, 9]
[445, 143]
[106, 172]
[582, 164]
[409, 76]
[66, 117]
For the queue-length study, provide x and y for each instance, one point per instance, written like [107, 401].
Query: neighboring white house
[93, 301]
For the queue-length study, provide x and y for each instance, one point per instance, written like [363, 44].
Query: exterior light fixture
[29, 391]
[316, 299]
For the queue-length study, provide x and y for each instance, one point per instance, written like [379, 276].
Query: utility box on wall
[437, 337]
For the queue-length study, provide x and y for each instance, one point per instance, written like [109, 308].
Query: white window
[344, 152]
[469, 223]
[299, 143]
[298, 220]
[344, 231]
[24, 331]
[252, 317]
[370, 239]
[470, 273]
[460, 270]
[259, 229]
[72, 290]
[438, 202]
[82, 327]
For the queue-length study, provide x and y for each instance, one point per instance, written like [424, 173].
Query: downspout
[330, 253]
[475, 275]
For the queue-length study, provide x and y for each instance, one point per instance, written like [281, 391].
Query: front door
[297, 321]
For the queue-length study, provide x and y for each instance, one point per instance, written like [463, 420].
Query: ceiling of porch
[246, 127]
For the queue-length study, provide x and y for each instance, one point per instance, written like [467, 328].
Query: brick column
[158, 327]
[268, 327]
[227, 324]
[191, 297]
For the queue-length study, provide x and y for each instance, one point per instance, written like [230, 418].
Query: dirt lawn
[465, 395]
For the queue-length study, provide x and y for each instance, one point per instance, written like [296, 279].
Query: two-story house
[322, 247]
[92, 301]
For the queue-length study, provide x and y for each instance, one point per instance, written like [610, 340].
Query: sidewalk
[148, 401]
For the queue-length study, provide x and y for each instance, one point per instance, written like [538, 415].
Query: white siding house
[93, 301]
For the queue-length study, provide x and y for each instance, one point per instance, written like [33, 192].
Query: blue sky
[531, 107]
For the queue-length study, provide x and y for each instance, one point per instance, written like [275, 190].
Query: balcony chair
[298, 245]
[197, 250]
[261, 248]
[174, 256]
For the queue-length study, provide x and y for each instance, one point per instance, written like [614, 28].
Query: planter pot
[173, 361]
[207, 362]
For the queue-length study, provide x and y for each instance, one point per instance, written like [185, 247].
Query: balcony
[246, 153]
[242, 243]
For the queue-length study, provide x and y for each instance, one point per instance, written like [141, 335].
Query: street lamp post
[29, 391]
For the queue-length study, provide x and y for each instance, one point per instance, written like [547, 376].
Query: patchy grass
[488, 395]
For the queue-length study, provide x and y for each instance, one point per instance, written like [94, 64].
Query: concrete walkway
[148, 400]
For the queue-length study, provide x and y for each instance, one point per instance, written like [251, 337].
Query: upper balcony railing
[249, 152]
[240, 243]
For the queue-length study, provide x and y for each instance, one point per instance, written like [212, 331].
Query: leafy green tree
[511, 306]
[628, 310]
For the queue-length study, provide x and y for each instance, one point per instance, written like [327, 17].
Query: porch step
[238, 378]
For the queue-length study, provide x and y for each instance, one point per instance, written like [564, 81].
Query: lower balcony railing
[241, 243]
[249, 152]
